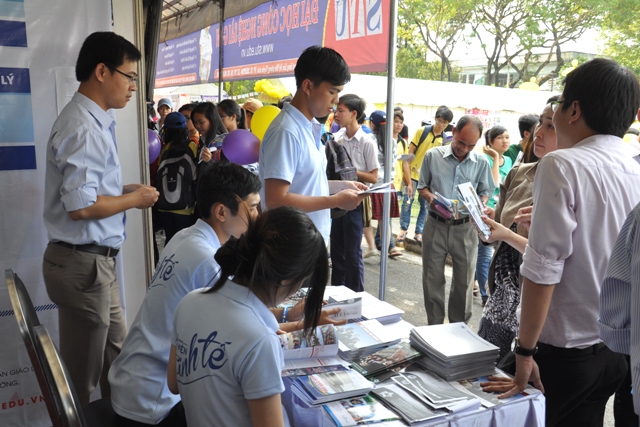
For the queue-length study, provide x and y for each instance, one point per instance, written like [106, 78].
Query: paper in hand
[381, 188]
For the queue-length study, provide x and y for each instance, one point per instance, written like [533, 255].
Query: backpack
[425, 133]
[176, 179]
[339, 166]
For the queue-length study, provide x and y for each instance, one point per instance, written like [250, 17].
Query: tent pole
[220, 49]
[389, 161]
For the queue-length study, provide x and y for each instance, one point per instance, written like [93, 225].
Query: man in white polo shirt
[292, 158]
[581, 196]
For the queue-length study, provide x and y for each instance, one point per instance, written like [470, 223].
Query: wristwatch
[521, 350]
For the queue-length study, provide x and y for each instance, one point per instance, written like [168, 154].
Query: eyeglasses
[555, 105]
[132, 79]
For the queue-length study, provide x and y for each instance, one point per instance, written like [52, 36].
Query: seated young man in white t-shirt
[227, 196]
[346, 231]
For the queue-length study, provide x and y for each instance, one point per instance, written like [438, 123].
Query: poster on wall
[266, 41]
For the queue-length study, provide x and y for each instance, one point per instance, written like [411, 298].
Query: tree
[440, 25]
[239, 87]
[529, 34]
[621, 33]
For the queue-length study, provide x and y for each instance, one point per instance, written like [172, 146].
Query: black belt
[93, 249]
[448, 221]
[550, 350]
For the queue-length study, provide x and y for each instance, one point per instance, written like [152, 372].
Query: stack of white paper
[454, 351]
[363, 338]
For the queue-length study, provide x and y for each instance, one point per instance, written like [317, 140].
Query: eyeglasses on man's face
[132, 79]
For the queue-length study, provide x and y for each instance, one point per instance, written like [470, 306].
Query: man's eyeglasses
[555, 105]
[132, 79]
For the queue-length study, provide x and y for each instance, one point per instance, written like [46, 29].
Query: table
[528, 411]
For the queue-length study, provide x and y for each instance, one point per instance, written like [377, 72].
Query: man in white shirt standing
[582, 194]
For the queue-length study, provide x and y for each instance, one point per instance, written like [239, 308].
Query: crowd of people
[202, 350]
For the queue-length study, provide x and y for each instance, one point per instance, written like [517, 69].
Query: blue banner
[13, 33]
[16, 120]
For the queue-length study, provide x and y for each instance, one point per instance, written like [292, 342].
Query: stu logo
[196, 359]
[358, 18]
[7, 80]
[165, 268]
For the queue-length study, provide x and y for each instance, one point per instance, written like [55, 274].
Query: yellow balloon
[262, 118]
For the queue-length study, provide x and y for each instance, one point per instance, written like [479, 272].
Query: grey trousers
[438, 240]
[91, 322]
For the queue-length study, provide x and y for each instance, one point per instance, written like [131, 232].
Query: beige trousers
[438, 240]
[91, 322]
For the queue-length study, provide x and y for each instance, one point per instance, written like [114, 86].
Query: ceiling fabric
[183, 17]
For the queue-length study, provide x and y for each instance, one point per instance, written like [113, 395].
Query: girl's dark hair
[178, 136]
[187, 107]
[528, 156]
[210, 113]
[282, 245]
[230, 108]
[380, 132]
[493, 133]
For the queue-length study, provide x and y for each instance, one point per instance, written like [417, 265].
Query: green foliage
[621, 32]
[239, 87]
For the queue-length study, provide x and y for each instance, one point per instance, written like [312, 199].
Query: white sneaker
[370, 253]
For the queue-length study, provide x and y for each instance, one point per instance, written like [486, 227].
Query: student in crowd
[176, 134]
[404, 133]
[231, 325]
[402, 149]
[165, 106]
[379, 126]
[186, 110]
[581, 198]
[207, 121]
[227, 198]
[292, 158]
[525, 123]
[426, 138]
[346, 231]
[250, 106]
[442, 170]
[499, 324]
[497, 143]
[233, 117]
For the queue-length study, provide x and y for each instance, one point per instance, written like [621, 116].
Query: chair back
[58, 380]
[27, 319]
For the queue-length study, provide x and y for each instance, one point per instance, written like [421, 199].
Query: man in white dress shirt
[582, 194]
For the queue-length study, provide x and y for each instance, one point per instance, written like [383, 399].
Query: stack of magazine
[361, 339]
[358, 411]
[318, 389]
[386, 362]
[382, 311]
[454, 351]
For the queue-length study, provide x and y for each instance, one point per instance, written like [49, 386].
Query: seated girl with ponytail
[226, 358]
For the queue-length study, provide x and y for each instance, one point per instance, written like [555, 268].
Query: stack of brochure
[358, 411]
[454, 351]
[318, 389]
[382, 311]
[361, 339]
[386, 360]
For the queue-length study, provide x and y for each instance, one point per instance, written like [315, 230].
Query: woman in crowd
[497, 143]
[207, 121]
[230, 328]
[499, 324]
[250, 106]
[186, 110]
[233, 117]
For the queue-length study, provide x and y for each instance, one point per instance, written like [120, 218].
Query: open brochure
[358, 411]
[322, 343]
[350, 308]
[472, 387]
[475, 207]
[380, 188]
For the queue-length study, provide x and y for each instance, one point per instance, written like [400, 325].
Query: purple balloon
[154, 145]
[334, 127]
[241, 146]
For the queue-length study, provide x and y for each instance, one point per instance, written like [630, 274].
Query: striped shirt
[620, 298]
[441, 171]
